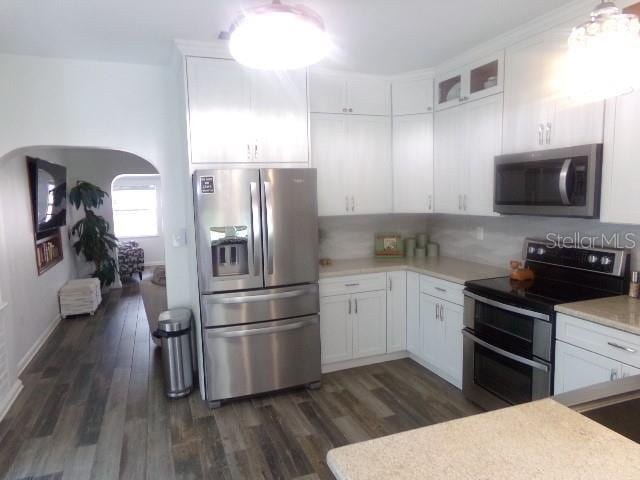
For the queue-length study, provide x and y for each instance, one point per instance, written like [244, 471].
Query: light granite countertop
[444, 268]
[538, 440]
[621, 312]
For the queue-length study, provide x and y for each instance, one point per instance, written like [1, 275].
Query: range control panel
[603, 260]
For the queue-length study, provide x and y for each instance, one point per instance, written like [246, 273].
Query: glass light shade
[604, 55]
[278, 37]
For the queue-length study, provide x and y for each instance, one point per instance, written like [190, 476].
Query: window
[135, 200]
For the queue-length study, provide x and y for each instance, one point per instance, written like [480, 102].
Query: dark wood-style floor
[93, 407]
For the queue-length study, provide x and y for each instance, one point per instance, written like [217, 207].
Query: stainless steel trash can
[174, 332]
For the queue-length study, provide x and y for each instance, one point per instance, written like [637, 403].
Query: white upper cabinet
[328, 154]
[538, 110]
[219, 111]
[413, 163]
[279, 106]
[332, 92]
[471, 82]
[353, 156]
[620, 193]
[467, 139]
[240, 115]
[412, 95]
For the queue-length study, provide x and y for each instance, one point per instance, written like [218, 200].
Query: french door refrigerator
[257, 246]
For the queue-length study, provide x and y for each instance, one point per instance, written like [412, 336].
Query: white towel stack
[79, 297]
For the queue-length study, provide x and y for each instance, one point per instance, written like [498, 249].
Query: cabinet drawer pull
[356, 301]
[620, 347]
[351, 284]
[614, 374]
[440, 289]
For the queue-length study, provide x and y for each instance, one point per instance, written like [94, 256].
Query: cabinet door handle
[549, 126]
[540, 134]
[356, 305]
[621, 347]
[441, 313]
[351, 110]
[255, 152]
[349, 306]
[346, 203]
[248, 152]
[344, 110]
[437, 312]
[353, 203]
[390, 284]
[429, 206]
[614, 374]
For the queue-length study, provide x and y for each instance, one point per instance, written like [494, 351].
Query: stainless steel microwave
[562, 182]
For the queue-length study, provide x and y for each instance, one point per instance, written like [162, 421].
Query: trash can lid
[174, 320]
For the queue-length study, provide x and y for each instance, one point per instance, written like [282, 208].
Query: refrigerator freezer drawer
[250, 359]
[259, 305]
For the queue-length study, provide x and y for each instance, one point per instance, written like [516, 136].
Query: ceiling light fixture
[604, 54]
[278, 37]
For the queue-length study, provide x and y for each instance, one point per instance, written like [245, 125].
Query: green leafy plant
[93, 239]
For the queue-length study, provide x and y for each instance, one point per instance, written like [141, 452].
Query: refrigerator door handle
[260, 298]
[268, 198]
[264, 330]
[255, 226]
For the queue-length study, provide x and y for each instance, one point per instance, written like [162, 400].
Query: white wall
[125, 107]
[100, 167]
[76, 103]
[21, 286]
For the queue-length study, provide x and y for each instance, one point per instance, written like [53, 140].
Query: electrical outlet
[480, 233]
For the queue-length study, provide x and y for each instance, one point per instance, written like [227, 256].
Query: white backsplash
[504, 236]
[353, 236]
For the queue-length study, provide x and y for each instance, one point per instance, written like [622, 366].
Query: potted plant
[93, 238]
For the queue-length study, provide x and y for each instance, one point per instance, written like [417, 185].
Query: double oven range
[509, 325]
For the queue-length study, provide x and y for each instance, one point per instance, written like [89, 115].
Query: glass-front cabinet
[471, 82]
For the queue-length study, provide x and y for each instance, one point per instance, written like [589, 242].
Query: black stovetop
[541, 294]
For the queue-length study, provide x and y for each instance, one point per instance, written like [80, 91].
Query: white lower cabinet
[369, 324]
[396, 311]
[359, 320]
[354, 324]
[588, 353]
[414, 335]
[336, 330]
[441, 325]
[578, 368]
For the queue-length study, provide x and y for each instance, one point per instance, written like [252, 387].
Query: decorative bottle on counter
[634, 286]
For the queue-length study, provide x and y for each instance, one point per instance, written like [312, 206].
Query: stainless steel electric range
[509, 326]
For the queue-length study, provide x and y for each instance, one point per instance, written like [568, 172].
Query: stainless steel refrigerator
[257, 234]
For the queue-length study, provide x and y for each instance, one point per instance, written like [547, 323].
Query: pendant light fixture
[278, 37]
[604, 54]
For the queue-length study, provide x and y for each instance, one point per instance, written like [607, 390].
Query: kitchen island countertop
[538, 440]
[444, 268]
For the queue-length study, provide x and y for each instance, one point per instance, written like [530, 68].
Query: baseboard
[22, 364]
[438, 371]
[361, 362]
[13, 394]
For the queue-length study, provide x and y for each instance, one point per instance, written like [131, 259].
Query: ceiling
[376, 36]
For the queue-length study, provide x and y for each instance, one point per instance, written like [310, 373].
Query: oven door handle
[516, 358]
[507, 307]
